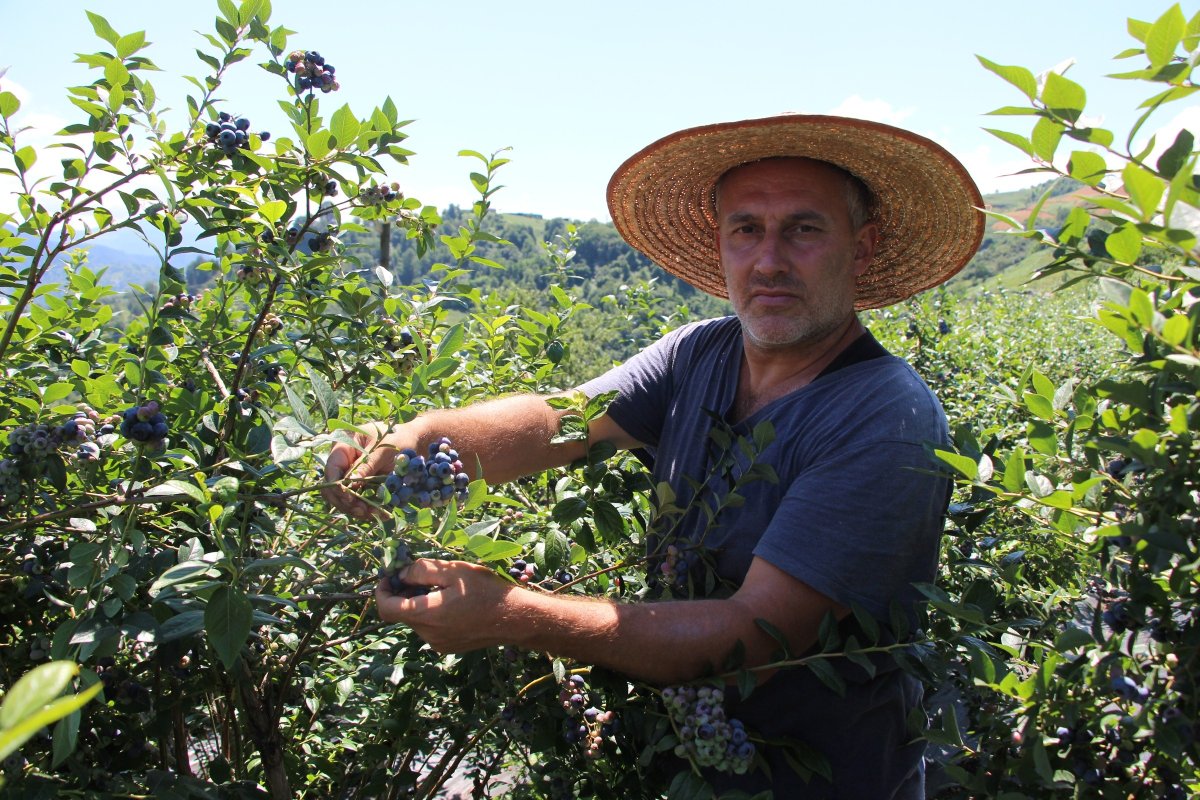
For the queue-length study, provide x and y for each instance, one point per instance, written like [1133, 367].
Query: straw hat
[926, 205]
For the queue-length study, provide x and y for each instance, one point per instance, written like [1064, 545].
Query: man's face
[789, 251]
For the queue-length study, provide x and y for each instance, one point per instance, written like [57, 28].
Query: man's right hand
[373, 453]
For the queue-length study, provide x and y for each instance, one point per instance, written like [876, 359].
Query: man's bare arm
[662, 643]
[509, 437]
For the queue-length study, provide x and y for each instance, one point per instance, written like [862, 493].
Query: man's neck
[770, 373]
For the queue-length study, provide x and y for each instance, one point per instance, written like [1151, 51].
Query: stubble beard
[805, 325]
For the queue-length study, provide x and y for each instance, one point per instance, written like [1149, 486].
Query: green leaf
[130, 44]
[103, 29]
[55, 392]
[180, 626]
[1175, 157]
[34, 690]
[177, 487]
[299, 414]
[1144, 188]
[1141, 307]
[1086, 166]
[1064, 97]
[609, 521]
[1019, 77]
[272, 210]
[344, 127]
[1045, 138]
[9, 104]
[452, 342]
[1124, 244]
[1040, 406]
[318, 143]
[1072, 638]
[1014, 471]
[568, 510]
[1041, 438]
[556, 550]
[829, 676]
[1015, 139]
[963, 465]
[1164, 36]
[12, 738]
[65, 736]
[326, 398]
[26, 157]
[227, 621]
[868, 623]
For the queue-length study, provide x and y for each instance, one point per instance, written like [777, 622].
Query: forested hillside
[612, 277]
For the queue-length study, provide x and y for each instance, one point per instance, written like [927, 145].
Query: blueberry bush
[169, 564]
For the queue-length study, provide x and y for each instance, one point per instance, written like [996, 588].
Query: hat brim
[924, 201]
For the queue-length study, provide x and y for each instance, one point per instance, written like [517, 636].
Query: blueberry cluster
[401, 558]
[263, 369]
[427, 482]
[586, 725]
[676, 566]
[270, 326]
[231, 133]
[10, 481]
[181, 301]
[400, 343]
[317, 234]
[522, 571]
[32, 447]
[144, 425]
[252, 273]
[81, 429]
[380, 195]
[705, 736]
[311, 71]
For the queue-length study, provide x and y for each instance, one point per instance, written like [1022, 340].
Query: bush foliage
[221, 613]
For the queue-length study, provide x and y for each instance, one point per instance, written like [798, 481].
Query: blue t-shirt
[856, 513]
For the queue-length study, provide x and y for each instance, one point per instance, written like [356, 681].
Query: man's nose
[771, 258]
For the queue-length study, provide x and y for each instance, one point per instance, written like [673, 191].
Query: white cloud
[874, 110]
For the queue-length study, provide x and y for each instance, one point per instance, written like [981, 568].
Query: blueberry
[242, 124]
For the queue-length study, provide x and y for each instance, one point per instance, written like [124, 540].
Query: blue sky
[575, 88]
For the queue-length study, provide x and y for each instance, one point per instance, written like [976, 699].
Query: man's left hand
[463, 611]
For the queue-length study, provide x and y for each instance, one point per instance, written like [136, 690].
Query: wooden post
[385, 245]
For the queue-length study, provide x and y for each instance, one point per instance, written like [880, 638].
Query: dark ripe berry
[331, 188]
[264, 135]
[224, 116]
[227, 138]
[212, 129]
[242, 124]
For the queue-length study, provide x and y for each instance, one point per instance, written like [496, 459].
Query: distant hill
[601, 254]
[1002, 251]
[126, 259]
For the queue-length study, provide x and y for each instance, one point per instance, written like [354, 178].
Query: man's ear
[865, 242]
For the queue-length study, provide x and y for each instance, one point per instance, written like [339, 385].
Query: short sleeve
[644, 385]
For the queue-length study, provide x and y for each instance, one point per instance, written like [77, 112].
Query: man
[799, 221]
